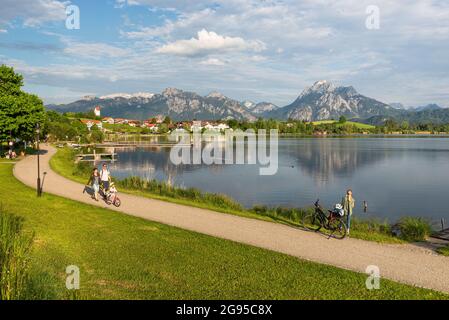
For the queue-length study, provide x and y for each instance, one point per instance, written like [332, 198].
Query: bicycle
[332, 222]
[110, 196]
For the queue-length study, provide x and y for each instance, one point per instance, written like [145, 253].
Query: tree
[96, 135]
[163, 128]
[10, 82]
[232, 123]
[405, 125]
[342, 119]
[391, 125]
[19, 111]
[167, 120]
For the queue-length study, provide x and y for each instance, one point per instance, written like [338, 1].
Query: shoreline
[369, 228]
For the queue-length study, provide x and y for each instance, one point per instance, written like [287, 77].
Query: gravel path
[403, 263]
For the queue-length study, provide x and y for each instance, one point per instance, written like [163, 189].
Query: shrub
[414, 229]
[15, 247]
[83, 169]
[260, 209]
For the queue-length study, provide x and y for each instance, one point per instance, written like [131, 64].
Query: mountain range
[321, 101]
[400, 106]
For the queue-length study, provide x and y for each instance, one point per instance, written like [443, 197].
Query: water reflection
[395, 176]
[323, 159]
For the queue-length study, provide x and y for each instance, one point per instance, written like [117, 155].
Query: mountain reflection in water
[396, 176]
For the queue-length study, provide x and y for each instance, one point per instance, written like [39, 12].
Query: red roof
[85, 121]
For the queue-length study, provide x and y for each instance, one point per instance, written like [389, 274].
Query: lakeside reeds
[165, 189]
[410, 229]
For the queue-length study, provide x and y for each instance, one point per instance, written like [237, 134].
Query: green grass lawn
[357, 124]
[123, 257]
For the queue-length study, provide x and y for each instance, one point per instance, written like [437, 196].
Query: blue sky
[260, 50]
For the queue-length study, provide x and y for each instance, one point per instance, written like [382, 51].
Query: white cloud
[3, 31]
[213, 62]
[210, 42]
[166, 4]
[95, 51]
[32, 13]
[405, 60]
[187, 21]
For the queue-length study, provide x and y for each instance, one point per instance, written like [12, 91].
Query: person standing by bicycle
[348, 203]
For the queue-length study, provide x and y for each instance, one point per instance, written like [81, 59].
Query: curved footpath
[403, 263]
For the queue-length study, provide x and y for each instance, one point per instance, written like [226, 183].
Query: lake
[395, 176]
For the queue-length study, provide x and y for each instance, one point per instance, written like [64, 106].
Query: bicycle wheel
[311, 222]
[337, 229]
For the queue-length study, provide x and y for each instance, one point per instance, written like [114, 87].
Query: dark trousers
[105, 185]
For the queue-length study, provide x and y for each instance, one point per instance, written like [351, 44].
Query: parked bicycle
[331, 222]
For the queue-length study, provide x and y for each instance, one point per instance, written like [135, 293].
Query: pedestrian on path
[94, 183]
[105, 177]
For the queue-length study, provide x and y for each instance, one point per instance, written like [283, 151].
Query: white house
[208, 126]
[196, 126]
[90, 123]
[108, 120]
[221, 126]
[216, 126]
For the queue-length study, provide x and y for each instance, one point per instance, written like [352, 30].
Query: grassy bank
[374, 230]
[124, 257]
[444, 251]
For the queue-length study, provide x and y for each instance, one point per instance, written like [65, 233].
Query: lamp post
[38, 131]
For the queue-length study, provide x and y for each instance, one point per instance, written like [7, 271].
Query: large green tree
[19, 111]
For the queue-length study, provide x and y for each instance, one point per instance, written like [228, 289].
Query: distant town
[154, 124]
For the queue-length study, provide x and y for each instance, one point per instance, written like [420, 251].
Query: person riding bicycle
[348, 203]
[112, 192]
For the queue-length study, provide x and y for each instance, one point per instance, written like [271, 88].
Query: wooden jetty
[442, 235]
[139, 144]
[108, 157]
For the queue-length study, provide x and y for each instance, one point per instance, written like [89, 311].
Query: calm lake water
[396, 176]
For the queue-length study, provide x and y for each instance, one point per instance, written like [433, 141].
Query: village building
[196, 126]
[120, 121]
[134, 123]
[108, 120]
[153, 127]
[90, 123]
